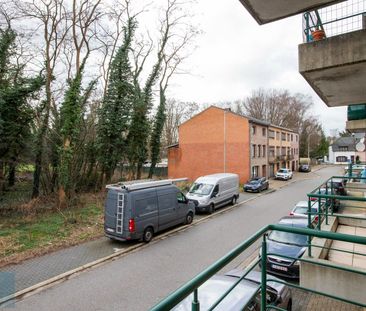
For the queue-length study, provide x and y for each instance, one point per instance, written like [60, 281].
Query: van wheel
[233, 200]
[189, 219]
[148, 235]
[211, 209]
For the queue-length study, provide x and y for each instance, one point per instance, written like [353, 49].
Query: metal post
[264, 275]
[319, 210]
[350, 169]
[332, 200]
[309, 226]
[195, 302]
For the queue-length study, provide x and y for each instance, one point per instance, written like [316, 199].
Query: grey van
[140, 209]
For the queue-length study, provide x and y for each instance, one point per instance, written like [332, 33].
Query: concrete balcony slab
[264, 11]
[335, 68]
[356, 126]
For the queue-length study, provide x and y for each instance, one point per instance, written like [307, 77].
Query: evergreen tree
[16, 114]
[71, 117]
[323, 146]
[140, 126]
[114, 115]
[155, 142]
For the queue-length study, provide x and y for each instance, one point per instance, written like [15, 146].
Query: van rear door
[110, 210]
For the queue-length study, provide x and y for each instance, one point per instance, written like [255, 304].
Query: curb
[61, 277]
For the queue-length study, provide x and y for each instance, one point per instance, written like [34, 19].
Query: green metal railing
[193, 286]
[335, 19]
[327, 201]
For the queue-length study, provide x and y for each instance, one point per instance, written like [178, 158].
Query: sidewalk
[40, 269]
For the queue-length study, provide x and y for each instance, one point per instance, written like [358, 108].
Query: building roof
[348, 141]
[251, 119]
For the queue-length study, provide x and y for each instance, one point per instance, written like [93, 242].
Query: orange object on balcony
[318, 34]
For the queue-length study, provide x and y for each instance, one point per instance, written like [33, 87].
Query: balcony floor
[354, 260]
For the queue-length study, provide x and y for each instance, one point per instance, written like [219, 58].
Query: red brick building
[214, 141]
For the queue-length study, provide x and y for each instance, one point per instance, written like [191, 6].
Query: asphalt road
[142, 278]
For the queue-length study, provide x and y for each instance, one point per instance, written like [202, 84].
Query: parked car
[138, 210]
[284, 174]
[213, 191]
[244, 296]
[301, 210]
[306, 168]
[336, 202]
[287, 244]
[256, 184]
[338, 185]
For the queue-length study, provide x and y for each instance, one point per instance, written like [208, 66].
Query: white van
[212, 191]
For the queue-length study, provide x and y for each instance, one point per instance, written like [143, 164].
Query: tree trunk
[11, 177]
[42, 133]
[2, 176]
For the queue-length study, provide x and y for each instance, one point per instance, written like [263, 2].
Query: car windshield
[304, 210]
[254, 182]
[200, 188]
[282, 171]
[288, 238]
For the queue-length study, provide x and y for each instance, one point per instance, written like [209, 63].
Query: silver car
[245, 296]
[301, 209]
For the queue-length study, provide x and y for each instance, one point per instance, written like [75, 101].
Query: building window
[255, 170]
[259, 151]
[272, 151]
[297, 138]
[264, 150]
[343, 148]
[254, 130]
[278, 135]
[292, 137]
[283, 136]
[254, 147]
[263, 131]
[271, 134]
[341, 159]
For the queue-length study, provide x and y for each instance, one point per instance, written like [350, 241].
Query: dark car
[287, 244]
[338, 185]
[256, 185]
[244, 296]
[306, 168]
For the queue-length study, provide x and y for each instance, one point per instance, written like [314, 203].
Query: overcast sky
[235, 55]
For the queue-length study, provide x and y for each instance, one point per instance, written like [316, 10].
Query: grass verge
[44, 229]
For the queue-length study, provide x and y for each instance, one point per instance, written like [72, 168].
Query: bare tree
[177, 112]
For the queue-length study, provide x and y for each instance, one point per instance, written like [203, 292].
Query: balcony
[335, 66]
[264, 11]
[356, 116]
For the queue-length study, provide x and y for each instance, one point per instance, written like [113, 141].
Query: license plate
[276, 267]
[110, 230]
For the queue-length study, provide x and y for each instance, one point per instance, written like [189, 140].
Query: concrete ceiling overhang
[336, 68]
[265, 11]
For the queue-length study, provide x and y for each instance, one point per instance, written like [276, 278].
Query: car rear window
[287, 237]
[304, 210]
